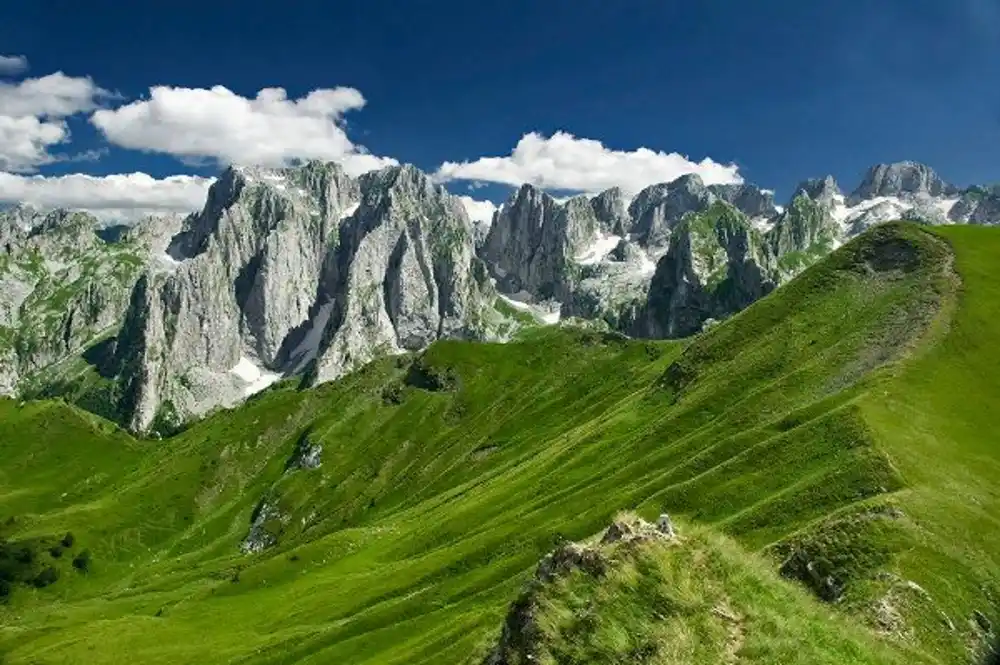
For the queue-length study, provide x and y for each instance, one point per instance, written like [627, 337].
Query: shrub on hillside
[82, 561]
[46, 577]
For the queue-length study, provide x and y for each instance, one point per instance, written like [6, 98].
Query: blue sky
[781, 90]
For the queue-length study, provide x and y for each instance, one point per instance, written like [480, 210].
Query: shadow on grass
[993, 657]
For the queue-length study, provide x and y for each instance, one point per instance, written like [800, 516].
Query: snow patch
[349, 210]
[845, 214]
[308, 348]
[945, 206]
[552, 317]
[167, 263]
[256, 378]
[601, 246]
[762, 224]
[548, 313]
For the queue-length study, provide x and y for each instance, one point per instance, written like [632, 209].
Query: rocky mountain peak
[404, 177]
[658, 208]
[533, 237]
[902, 179]
[749, 199]
[299, 270]
[611, 209]
[716, 264]
[62, 220]
[823, 190]
[691, 182]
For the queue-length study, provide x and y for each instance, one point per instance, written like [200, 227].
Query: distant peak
[902, 178]
[612, 193]
[689, 181]
[818, 189]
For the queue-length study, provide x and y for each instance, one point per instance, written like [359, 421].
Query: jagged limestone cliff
[404, 275]
[298, 270]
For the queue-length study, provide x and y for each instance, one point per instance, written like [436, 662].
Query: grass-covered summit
[826, 454]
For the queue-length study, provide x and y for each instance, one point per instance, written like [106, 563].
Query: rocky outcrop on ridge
[522, 639]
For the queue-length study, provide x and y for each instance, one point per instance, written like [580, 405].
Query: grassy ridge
[787, 427]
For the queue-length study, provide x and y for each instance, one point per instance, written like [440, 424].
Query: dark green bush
[46, 577]
[82, 561]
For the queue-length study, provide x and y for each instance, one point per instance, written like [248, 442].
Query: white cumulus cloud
[54, 96]
[12, 65]
[32, 117]
[479, 211]
[127, 196]
[25, 141]
[566, 162]
[216, 123]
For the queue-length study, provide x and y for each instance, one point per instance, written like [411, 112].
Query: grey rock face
[294, 269]
[978, 205]
[569, 253]
[533, 240]
[900, 179]
[748, 199]
[879, 213]
[13, 229]
[821, 190]
[805, 232]
[611, 210]
[404, 275]
[656, 210]
[245, 276]
[716, 265]
[307, 455]
[573, 253]
[263, 523]
[659, 208]
[613, 290]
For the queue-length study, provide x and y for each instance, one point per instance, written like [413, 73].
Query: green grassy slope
[792, 428]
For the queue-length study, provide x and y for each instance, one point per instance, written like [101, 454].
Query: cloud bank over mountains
[565, 162]
[219, 127]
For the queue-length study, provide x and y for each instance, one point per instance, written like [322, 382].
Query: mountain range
[305, 273]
